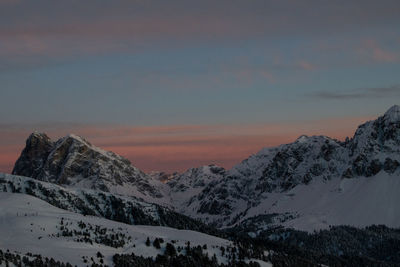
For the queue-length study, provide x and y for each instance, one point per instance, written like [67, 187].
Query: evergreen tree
[156, 243]
[170, 250]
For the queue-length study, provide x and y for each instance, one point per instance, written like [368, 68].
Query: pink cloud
[384, 56]
[372, 50]
[305, 65]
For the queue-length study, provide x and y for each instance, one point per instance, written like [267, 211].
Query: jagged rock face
[163, 177]
[303, 161]
[74, 161]
[271, 170]
[196, 178]
[184, 187]
[33, 157]
[374, 148]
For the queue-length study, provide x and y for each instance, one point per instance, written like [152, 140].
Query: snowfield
[356, 202]
[28, 224]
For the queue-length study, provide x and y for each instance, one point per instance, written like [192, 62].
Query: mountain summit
[73, 161]
[393, 114]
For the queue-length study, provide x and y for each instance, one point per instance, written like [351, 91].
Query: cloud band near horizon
[179, 147]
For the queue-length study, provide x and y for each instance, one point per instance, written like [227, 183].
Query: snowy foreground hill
[30, 225]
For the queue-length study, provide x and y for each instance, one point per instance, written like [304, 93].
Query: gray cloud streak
[377, 92]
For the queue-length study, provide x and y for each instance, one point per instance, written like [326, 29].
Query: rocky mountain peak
[77, 139]
[392, 115]
[38, 140]
[376, 146]
[30, 163]
[73, 161]
[380, 134]
[38, 135]
[302, 138]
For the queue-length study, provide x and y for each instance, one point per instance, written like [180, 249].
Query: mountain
[309, 177]
[311, 183]
[43, 224]
[72, 161]
[315, 200]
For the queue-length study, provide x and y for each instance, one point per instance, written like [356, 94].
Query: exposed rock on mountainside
[163, 177]
[184, 187]
[375, 148]
[314, 181]
[74, 161]
[34, 156]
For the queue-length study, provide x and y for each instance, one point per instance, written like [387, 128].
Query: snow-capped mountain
[257, 185]
[293, 184]
[73, 161]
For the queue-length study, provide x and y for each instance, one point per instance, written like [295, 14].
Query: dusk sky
[177, 84]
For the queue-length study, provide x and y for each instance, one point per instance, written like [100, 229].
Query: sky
[177, 84]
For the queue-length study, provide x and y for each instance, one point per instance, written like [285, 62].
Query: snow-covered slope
[125, 209]
[73, 161]
[315, 163]
[358, 202]
[30, 225]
